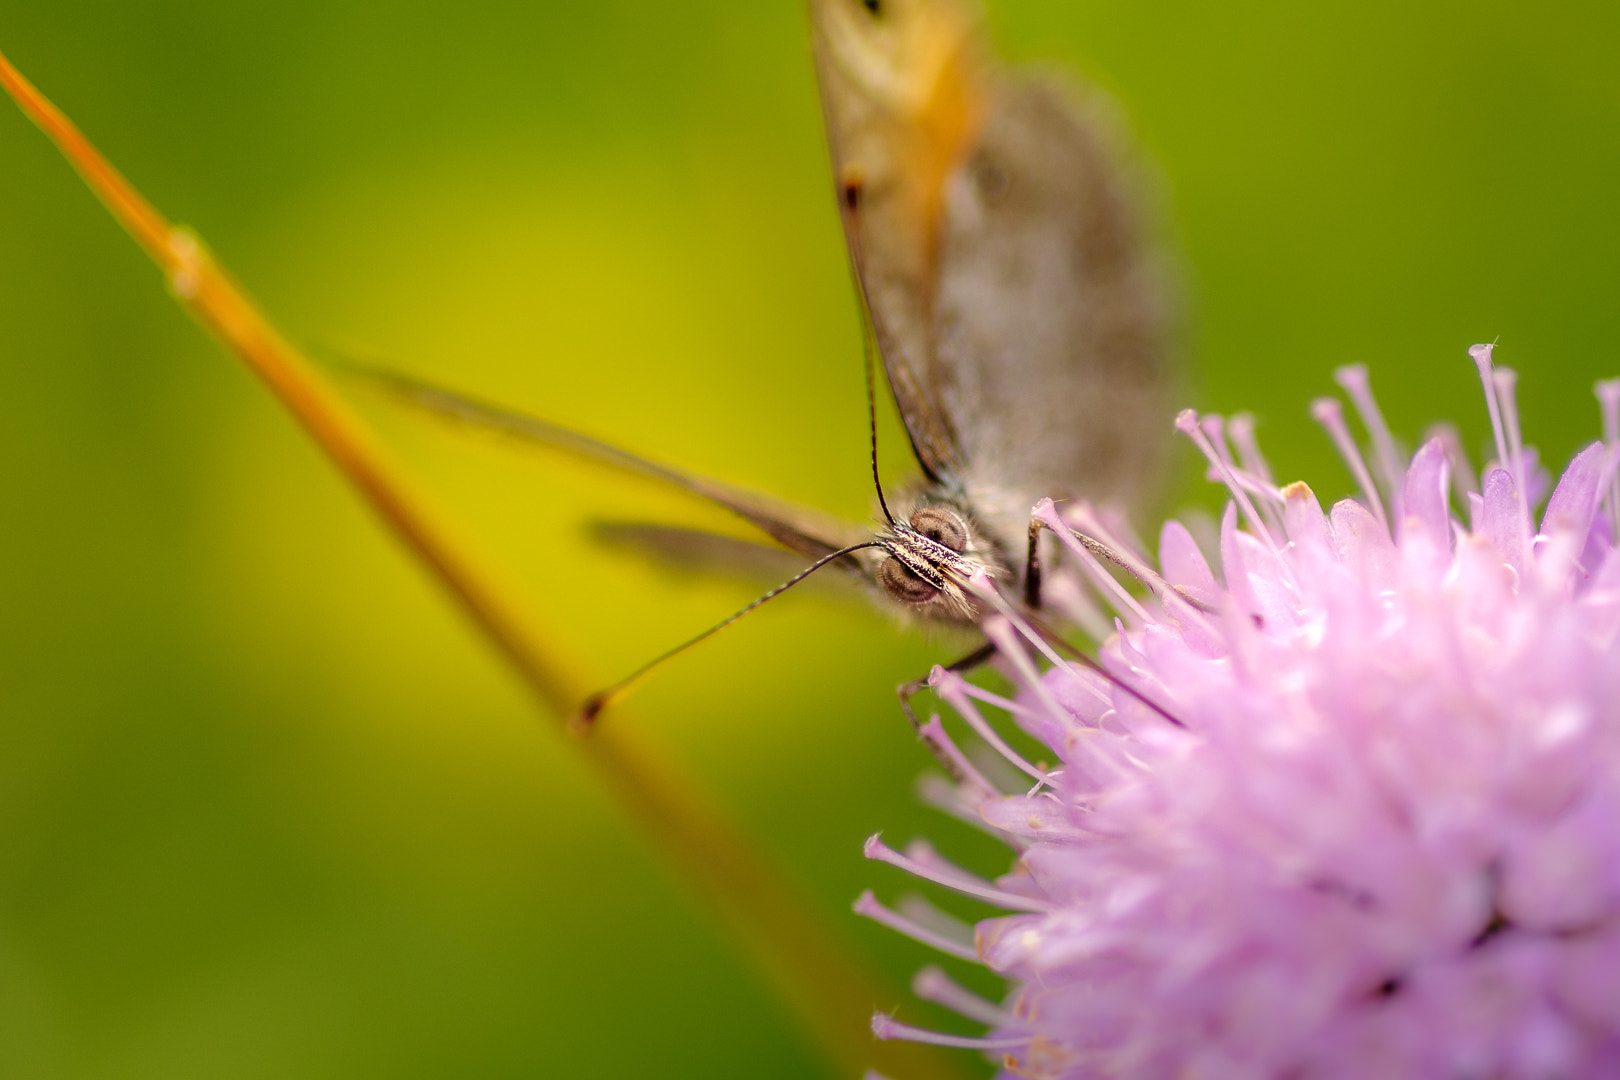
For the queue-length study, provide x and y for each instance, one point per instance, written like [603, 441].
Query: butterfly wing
[1050, 316]
[1014, 298]
[900, 90]
[796, 528]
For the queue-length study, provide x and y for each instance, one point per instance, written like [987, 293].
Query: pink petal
[1426, 512]
[1184, 565]
[1363, 544]
[1575, 500]
[1504, 523]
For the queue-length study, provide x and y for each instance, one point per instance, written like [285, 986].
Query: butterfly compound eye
[873, 7]
[900, 583]
[941, 526]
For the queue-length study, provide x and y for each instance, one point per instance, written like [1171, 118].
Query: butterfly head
[929, 558]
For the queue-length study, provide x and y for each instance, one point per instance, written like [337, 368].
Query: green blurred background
[267, 808]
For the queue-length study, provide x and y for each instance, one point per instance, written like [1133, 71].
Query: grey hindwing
[1050, 358]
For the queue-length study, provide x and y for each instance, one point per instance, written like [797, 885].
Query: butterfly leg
[1032, 599]
[909, 690]
[1032, 566]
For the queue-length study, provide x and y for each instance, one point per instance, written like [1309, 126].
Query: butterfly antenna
[871, 406]
[603, 698]
[851, 190]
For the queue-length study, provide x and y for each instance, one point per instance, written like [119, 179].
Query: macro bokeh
[269, 808]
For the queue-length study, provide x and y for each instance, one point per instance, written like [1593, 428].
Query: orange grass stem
[828, 989]
[209, 293]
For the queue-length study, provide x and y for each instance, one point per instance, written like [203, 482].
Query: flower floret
[1348, 808]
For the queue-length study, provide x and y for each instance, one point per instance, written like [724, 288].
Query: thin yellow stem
[827, 988]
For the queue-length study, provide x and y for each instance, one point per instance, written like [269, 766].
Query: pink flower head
[1350, 809]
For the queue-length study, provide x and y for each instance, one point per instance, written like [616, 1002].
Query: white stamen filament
[1187, 424]
[940, 872]
[936, 791]
[1482, 358]
[1240, 428]
[887, 1027]
[1065, 593]
[1213, 425]
[950, 688]
[1216, 429]
[1089, 523]
[867, 904]
[1329, 413]
[1007, 705]
[982, 586]
[1105, 582]
[1006, 639]
[932, 984]
[1507, 380]
[1353, 378]
[934, 731]
[1463, 479]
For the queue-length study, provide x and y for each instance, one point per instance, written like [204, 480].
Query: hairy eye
[899, 582]
[941, 526]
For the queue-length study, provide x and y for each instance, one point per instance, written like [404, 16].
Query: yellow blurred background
[268, 808]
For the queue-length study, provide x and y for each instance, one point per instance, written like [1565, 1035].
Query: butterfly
[1009, 287]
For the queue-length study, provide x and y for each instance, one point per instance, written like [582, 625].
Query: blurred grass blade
[206, 290]
[825, 986]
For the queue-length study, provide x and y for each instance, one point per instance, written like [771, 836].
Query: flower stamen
[951, 688]
[1482, 359]
[932, 984]
[1353, 378]
[1330, 414]
[887, 1027]
[935, 734]
[1187, 424]
[922, 861]
[867, 904]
